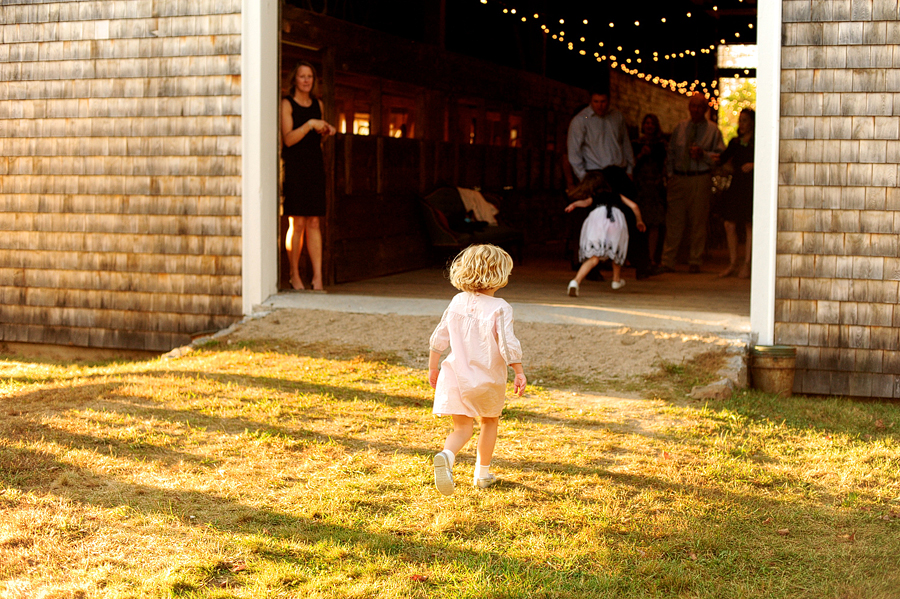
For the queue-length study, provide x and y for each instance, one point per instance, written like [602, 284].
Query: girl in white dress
[604, 234]
[471, 382]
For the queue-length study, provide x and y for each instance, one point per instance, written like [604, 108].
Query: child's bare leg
[443, 461]
[586, 267]
[463, 427]
[617, 271]
[487, 439]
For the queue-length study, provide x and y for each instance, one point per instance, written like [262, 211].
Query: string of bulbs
[627, 64]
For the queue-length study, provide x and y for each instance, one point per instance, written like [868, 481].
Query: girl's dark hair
[750, 112]
[292, 81]
[590, 186]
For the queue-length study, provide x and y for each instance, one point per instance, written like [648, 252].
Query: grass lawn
[265, 469]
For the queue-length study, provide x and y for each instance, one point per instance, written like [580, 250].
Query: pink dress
[478, 329]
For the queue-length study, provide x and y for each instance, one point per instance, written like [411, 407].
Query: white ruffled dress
[604, 237]
[478, 329]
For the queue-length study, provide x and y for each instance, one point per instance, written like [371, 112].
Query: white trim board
[259, 151]
[765, 171]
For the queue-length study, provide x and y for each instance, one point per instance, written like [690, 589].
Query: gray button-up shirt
[596, 142]
[705, 134]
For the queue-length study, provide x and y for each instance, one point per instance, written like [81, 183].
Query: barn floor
[677, 301]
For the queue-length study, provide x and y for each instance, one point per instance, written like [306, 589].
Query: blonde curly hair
[481, 267]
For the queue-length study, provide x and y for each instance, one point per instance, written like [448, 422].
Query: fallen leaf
[767, 521]
[666, 455]
[693, 556]
[783, 531]
[879, 424]
[239, 567]
[849, 538]
[419, 577]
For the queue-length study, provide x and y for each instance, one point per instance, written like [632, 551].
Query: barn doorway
[398, 120]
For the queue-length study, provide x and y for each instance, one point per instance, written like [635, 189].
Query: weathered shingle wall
[839, 207]
[119, 171]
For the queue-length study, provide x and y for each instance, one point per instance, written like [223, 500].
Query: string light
[615, 63]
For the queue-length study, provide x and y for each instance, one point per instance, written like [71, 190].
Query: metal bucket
[772, 368]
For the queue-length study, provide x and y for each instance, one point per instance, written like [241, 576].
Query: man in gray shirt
[693, 148]
[598, 141]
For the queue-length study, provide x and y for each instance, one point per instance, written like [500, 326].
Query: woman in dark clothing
[737, 205]
[302, 131]
[650, 179]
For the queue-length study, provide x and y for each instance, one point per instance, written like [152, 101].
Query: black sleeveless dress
[304, 167]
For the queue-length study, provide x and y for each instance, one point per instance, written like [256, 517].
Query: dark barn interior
[479, 95]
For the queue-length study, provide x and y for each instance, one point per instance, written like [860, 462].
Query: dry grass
[267, 469]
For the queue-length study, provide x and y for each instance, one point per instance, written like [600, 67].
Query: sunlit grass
[272, 469]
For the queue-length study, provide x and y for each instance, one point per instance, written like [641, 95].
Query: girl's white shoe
[487, 481]
[573, 288]
[443, 475]
[618, 284]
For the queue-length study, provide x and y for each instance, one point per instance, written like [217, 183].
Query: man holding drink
[693, 148]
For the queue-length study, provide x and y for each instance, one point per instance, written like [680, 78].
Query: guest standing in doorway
[693, 148]
[302, 132]
[737, 207]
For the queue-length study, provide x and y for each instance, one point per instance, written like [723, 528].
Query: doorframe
[765, 171]
[260, 42]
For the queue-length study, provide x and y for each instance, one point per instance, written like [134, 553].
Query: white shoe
[618, 284]
[487, 481]
[443, 475]
[573, 288]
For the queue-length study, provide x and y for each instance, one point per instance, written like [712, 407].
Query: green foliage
[737, 94]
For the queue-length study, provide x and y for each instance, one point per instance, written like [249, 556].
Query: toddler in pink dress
[471, 382]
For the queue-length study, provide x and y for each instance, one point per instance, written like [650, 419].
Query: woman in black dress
[302, 131]
[737, 205]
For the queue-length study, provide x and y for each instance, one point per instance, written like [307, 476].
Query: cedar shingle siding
[838, 205]
[120, 171]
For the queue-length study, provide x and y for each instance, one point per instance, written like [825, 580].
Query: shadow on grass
[681, 559]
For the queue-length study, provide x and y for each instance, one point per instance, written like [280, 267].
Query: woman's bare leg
[314, 246]
[748, 253]
[732, 238]
[293, 243]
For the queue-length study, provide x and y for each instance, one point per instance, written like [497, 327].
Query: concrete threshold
[725, 325]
